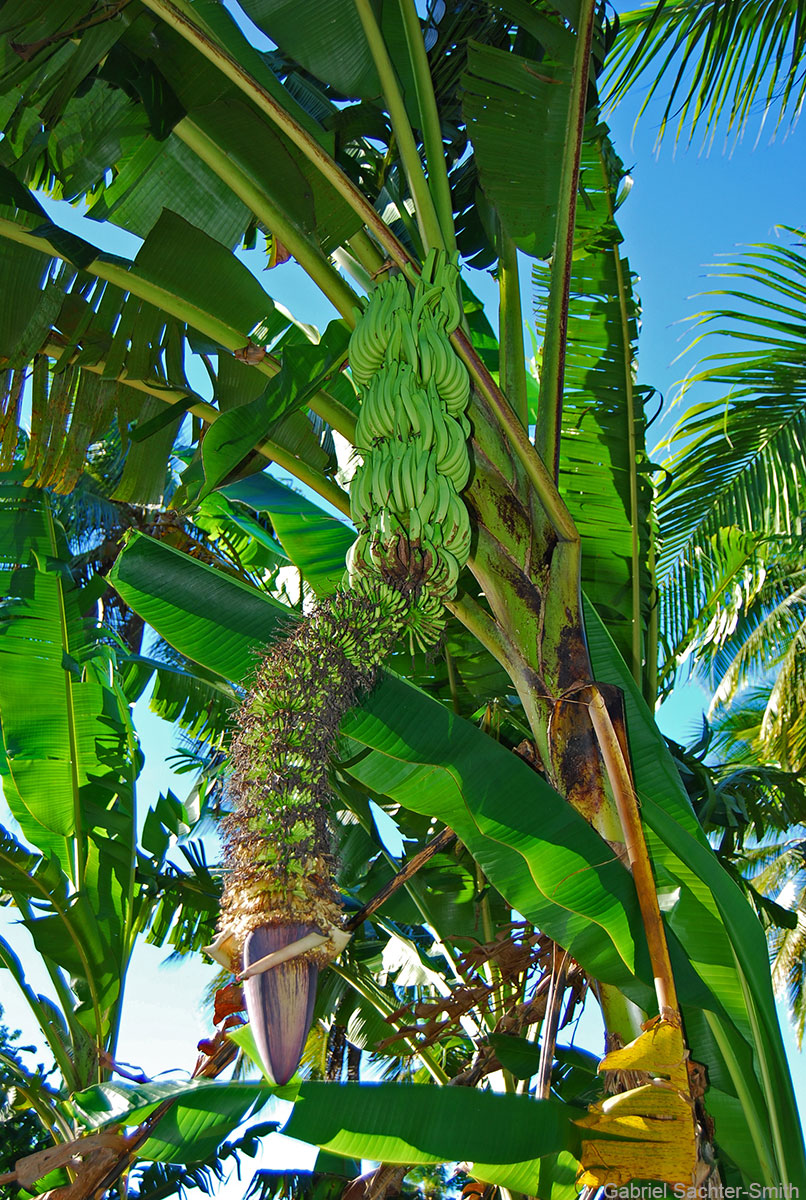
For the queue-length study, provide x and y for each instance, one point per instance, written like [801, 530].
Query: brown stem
[440, 842]
[551, 1024]
[618, 773]
[27, 50]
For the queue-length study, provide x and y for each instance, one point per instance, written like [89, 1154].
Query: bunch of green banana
[414, 530]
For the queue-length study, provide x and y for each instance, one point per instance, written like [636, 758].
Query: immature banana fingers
[414, 528]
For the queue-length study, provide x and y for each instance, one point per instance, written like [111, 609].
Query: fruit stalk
[280, 914]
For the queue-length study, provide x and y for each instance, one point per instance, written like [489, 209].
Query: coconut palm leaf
[736, 461]
[770, 716]
[773, 870]
[788, 948]
[739, 798]
[715, 594]
[758, 638]
[721, 60]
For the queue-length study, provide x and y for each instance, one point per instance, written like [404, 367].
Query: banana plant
[370, 145]
[75, 875]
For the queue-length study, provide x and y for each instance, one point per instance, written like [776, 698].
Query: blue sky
[685, 211]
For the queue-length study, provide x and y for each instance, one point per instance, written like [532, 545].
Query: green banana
[412, 430]
[425, 411]
[425, 354]
[410, 398]
[456, 529]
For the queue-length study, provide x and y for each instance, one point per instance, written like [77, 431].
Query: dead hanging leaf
[654, 1123]
[88, 1156]
[276, 251]
[228, 1000]
[250, 353]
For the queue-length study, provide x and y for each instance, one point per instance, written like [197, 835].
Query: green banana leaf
[604, 467]
[134, 318]
[503, 94]
[332, 45]
[24, 526]
[72, 741]
[125, 116]
[541, 854]
[202, 1114]
[546, 865]
[305, 368]
[65, 927]
[214, 620]
[69, 761]
[503, 1136]
[385, 1122]
[315, 542]
[67, 933]
[252, 545]
[534, 848]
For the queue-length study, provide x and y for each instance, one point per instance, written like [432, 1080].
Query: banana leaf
[390, 1123]
[604, 467]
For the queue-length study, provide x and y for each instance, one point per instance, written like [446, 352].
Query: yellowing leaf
[660, 1050]
[651, 1126]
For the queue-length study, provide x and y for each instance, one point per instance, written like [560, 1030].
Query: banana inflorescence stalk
[414, 538]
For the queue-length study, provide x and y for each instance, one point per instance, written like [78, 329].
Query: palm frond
[749, 801]
[777, 866]
[765, 619]
[714, 587]
[759, 644]
[783, 729]
[735, 466]
[181, 904]
[721, 60]
[736, 729]
[788, 948]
